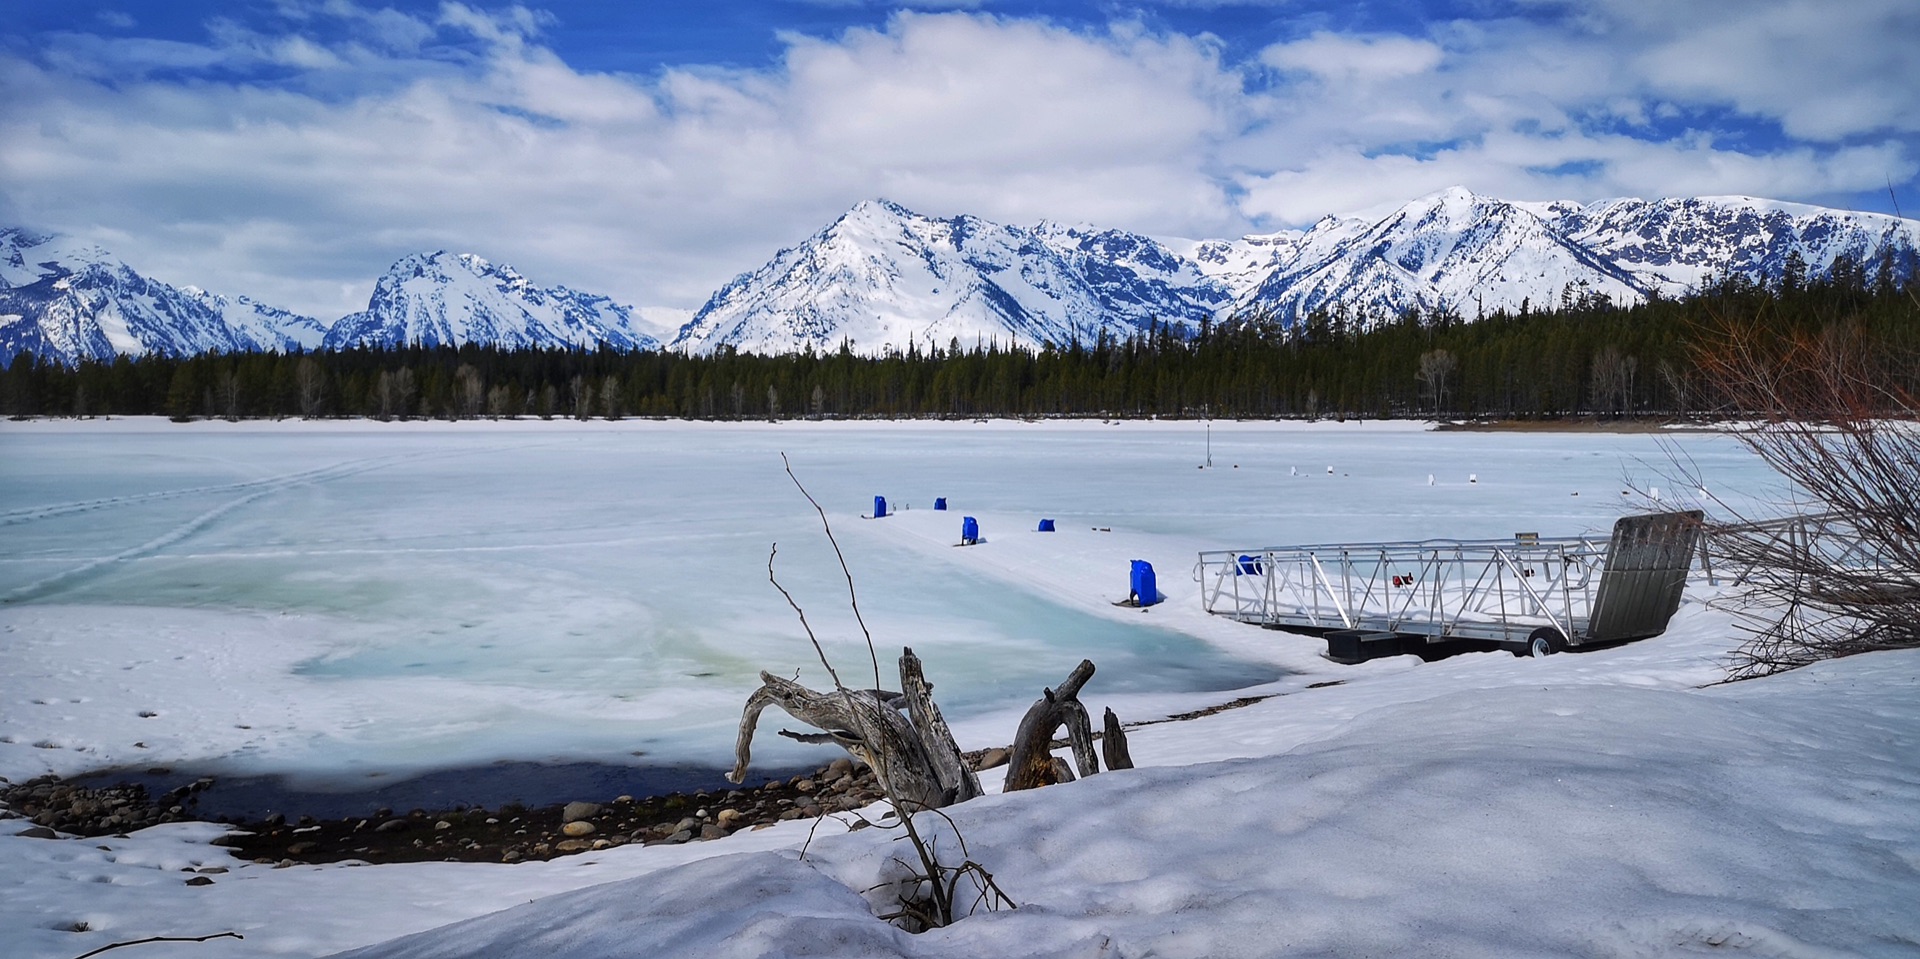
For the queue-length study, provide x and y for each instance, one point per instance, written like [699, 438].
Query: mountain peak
[441, 298]
[69, 300]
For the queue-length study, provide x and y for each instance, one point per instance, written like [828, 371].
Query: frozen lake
[346, 602]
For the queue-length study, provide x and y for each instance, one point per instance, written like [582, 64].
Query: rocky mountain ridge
[882, 277]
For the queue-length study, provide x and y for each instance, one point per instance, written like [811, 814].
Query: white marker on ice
[1429, 479]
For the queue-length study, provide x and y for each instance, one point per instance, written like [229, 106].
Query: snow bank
[1774, 817]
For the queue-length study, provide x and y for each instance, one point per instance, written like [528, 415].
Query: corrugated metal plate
[1646, 572]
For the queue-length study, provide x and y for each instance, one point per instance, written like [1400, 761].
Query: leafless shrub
[1832, 415]
[932, 892]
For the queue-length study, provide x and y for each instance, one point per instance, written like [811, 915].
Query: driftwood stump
[915, 759]
[1113, 744]
[1032, 764]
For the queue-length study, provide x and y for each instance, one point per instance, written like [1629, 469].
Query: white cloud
[1335, 58]
[654, 191]
[465, 131]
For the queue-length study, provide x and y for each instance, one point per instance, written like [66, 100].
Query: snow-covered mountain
[882, 277]
[441, 298]
[1673, 244]
[69, 301]
[1452, 250]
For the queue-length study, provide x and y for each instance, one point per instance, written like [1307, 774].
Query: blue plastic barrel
[1046, 526]
[879, 507]
[1145, 590]
[969, 530]
[940, 502]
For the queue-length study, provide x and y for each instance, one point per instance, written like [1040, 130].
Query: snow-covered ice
[398, 596]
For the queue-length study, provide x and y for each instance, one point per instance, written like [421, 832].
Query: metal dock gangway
[1529, 594]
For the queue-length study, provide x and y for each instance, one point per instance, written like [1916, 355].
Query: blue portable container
[879, 507]
[1046, 526]
[1251, 565]
[1145, 591]
[969, 530]
[940, 502]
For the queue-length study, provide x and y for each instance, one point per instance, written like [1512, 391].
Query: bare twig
[865, 723]
[1836, 420]
[853, 599]
[141, 942]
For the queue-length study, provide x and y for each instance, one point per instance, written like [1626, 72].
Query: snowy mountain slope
[1451, 250]
[1673, 244]
[883, 277]
[1240, 264]
[1135, 276]
[441, 298]
[69, 301]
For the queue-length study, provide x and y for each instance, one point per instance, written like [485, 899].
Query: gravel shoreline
[51, 808]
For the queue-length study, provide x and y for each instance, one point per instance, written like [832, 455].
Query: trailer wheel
[1545, 641]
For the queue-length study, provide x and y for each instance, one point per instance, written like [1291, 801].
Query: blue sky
[291, 149]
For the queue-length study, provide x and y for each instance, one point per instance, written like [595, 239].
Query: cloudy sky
[292, 149]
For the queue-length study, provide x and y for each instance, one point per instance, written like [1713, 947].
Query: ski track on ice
[260, 488]
[29, 514]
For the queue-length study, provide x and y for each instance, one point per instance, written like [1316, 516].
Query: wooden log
[1032, 762]
[949, 766]
[862, 722]
[1113, 743]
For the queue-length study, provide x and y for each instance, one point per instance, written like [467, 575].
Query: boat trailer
[1531, 595]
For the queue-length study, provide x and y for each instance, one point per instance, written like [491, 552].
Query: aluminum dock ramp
[1529, 594]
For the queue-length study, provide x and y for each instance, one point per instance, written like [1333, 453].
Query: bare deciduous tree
[1436, 368]
[1613, 374]
[311, 383]
[612, 404]
[470, 391]
[393, 393]
[580, 397]
[228, 393]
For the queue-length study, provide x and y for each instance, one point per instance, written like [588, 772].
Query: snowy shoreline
[1602, 803]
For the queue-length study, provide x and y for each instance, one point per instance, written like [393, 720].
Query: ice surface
[378, 599]
[1594, 804]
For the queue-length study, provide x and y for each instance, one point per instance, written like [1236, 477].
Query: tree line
[1583, 356]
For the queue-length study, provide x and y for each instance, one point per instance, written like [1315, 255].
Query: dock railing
[1493, 589]
[1584, 588]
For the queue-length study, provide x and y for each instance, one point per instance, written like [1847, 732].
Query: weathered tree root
[916, 759]
[1033, 764]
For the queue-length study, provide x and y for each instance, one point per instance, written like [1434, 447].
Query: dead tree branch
[1032, 764]
[142, 942]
